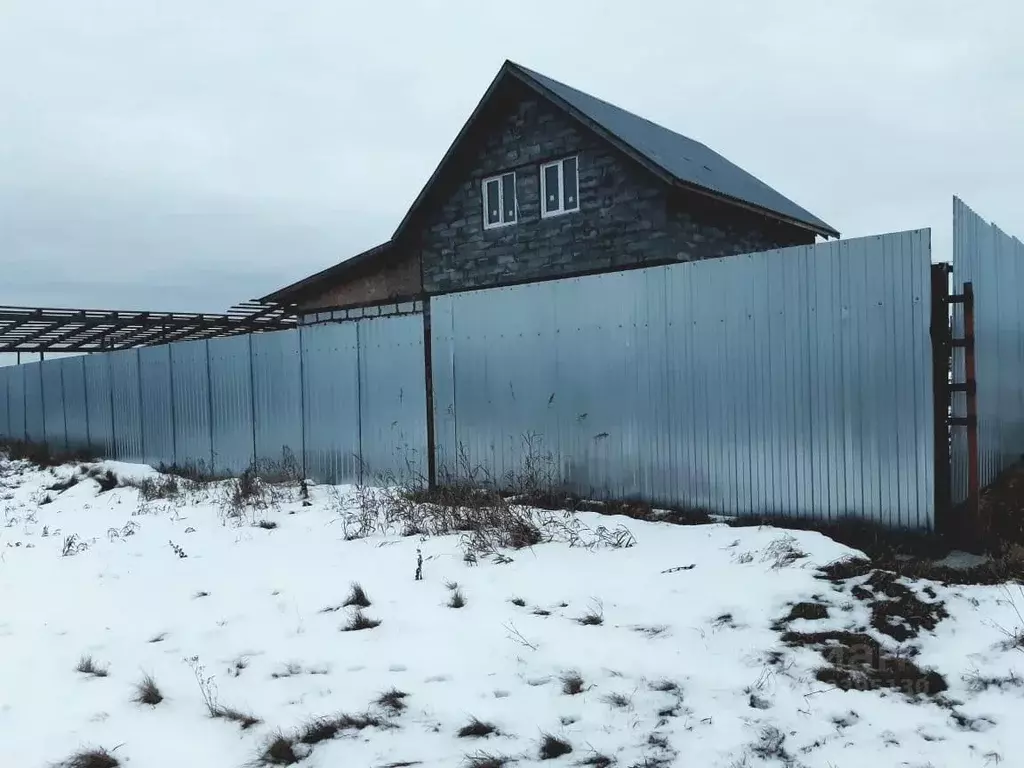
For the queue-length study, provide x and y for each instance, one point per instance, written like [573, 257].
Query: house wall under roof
[387, 280]
[628, 217]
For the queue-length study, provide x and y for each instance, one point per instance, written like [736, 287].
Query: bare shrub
[357, 597]
[487, 760]
[665, 686]
[593, 617]
[146, 692]
[91, 758]
[88, 666]
[208, 690]
[161, 487]
[572, 683]
[279, 750]
[247, 492]
[393, 701]
[552, 747]
[73, 545]
[618, 701]
[360, 621]
[476, 729]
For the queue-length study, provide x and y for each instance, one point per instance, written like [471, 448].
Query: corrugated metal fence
[791, 382]
[340, 397]
[993, 262]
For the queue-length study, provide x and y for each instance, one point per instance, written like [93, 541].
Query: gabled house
[545, 181]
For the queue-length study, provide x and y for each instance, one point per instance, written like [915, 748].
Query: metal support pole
[941, 358]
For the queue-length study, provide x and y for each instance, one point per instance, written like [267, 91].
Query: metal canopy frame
[35, 329]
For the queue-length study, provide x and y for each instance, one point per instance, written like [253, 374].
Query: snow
[691, 605]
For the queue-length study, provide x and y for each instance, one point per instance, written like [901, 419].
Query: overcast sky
[188, 155]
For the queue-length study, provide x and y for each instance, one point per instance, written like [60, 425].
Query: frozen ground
[690, 646]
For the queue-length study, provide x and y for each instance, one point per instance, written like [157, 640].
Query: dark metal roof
[332, 273]
[686, 160]
[33, 329]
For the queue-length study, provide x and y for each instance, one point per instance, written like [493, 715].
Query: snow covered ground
[692, 646]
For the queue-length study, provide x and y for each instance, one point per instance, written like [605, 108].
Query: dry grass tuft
[356, 597]
[87, 666]
[91, 758]
[146, 692]
[360, 621]
[486, 760]
[393, 701]
[476, 729]
[572, 684]
[552, 747]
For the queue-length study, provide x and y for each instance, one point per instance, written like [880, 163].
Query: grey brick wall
[627, 216]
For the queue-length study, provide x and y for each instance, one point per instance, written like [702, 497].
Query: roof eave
[335, 271]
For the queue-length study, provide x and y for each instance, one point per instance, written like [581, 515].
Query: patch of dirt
[856, 661]
[806, 610]
[896, 611]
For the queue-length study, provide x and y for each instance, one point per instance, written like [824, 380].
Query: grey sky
[188, 155]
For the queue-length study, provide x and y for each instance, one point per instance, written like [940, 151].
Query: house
[545, 181]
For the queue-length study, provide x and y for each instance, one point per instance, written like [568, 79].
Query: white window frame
[561, 210]
[501, 200]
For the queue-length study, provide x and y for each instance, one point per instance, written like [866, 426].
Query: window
[560, 187]
[499, 194]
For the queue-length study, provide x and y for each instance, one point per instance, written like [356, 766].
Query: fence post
[302, 403]
[142, 415]
[85, 401]
[252, 400]
[174, 410]
[209, 403]
[359, 399]
[110, 395]
[941, 360]
[428, 372]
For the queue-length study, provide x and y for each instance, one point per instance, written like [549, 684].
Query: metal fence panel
[157, 395]
[392, 402]
[5, 405]
[76, 411]
[126, 404]
[5, 423]
[190, 386]
[54, 426]
[35, 430]
[16, 403]
[993, 262]
[794, 382]
[98, 398]
[277, 391]
[231, 401]
[330, 386]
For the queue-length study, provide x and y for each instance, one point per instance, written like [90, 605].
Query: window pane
[551, 196]
[508, 196]
[569, 180]
[493, 202]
